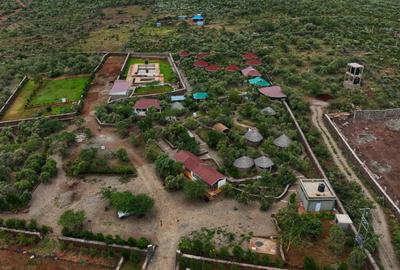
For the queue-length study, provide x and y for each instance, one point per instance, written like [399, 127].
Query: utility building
[353, 75]
[316, 195]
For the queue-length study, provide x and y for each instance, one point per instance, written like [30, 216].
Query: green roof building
[200, 95]
[258, 81]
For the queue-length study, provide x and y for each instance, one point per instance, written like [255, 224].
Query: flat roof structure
[310, 188]
[120, 88]
[272, 92]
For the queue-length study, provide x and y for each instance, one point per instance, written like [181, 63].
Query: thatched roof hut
[220, 128]
[283, 141]
[268, 111]
[253, 136]
[263, 162]
[244, 163]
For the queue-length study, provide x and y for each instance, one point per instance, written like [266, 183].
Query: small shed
[250, 72]
[121, 88]
[316, 195]
[220, 128]
[283, 141]
[253, 137]
[198, 19]
[268, 111]
[343, 221]
[259, 82]
[244, 163]
[177, 98]
[263, 163]
[177, 106]
[200, 96]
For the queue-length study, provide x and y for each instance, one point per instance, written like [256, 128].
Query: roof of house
[250, 72]
[198, 17]
[269, 111]
[258, 81]
[272, 92]
[355, 65]
[213, 68]
[282, 141]
[184, 54]
[232, 68]
[244, 162]
[253, 135]
[146, 103]
[264, 162]
[253, 62]
[200, 63]
[177, 106]
[120, 87]
[178, 98]
[193, 163]
[249, 56]
[202, 55]
[220, 127]
[200, 95]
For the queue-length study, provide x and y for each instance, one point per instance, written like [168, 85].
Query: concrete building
[120, 89]
[343, 221]
[353, 77]
[316, 195]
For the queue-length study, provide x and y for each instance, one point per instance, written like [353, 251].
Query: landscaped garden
[165, 67]
[47, 97]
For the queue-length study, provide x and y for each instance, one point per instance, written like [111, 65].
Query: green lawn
[165, 67]
[52, 91]
[156, 89]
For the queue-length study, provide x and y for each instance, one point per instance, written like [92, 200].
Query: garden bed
[165, 68]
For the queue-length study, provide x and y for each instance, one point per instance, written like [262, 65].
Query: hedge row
[109, 239]
[21, 224]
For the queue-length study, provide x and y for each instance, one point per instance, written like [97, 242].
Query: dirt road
[386, 252]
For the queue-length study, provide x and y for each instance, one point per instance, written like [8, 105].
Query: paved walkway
[386, 252]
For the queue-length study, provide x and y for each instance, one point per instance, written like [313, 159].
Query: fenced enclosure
[376, 114]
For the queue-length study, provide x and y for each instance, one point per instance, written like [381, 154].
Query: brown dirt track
[384, 150]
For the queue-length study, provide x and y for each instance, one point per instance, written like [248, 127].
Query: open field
[377, 143]
[165, 67]
[35, 97]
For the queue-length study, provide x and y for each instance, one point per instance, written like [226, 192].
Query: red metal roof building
[251, 72]
[197, 169]
[274, 92]
[202, 55]
[232, 68]
[144, 104]
[249, 56]
[200, 64]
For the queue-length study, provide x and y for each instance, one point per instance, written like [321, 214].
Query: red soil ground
[13, 260]
[384, 150]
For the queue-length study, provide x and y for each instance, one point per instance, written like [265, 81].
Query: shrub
[131, 242]
[173, 183]
[337, 239]
[357, 258]
[122, 155]
[195, 190]
[72, 220]
[32, 225]
[309, 263]
[142, 242]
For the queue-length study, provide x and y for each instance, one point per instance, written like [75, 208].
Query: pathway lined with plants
[387, 254]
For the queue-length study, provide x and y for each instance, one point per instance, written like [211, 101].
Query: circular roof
[244, 162]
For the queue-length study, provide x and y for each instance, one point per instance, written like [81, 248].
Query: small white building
[343, 221]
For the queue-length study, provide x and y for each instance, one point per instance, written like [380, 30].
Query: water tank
[321, 187]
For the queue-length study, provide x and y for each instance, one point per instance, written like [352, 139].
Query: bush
[122, 155]
[195, 190]
[173, 183]
[72, 220]
[357, 258]
[309, 263]
[142, 243]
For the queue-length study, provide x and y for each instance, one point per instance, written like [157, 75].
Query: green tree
[122, 155]
[72, 220]
[357, 258]
[195, 190]
[166, 166]
[309, 263]
[337, 239]
[173, 183]
[137, 205]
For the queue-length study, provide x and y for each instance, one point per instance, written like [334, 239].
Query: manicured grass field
[157, 89]
[50, 91]
[165, 68]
